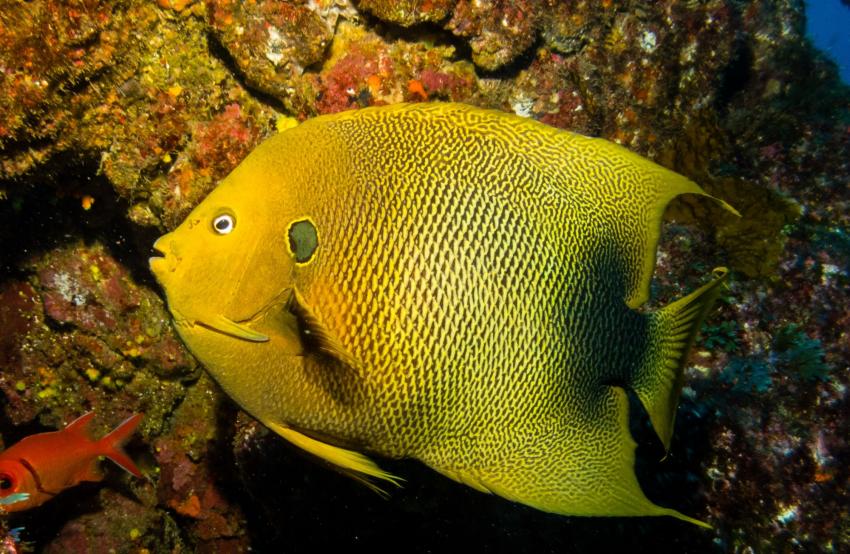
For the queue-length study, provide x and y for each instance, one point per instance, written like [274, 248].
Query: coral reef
[271, 42]
[362, 70]
[125, 85]
[112, 333]
[409, 12]
[50, 50]
[116, 118]
[187, 460]
[498, 31]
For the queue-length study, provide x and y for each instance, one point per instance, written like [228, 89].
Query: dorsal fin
[666, 185]
[81, 426]
[641, 190]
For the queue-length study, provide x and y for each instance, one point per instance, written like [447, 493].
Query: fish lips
[160, 265]
[157, 265]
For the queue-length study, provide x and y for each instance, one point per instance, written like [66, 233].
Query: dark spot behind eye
[303, 240]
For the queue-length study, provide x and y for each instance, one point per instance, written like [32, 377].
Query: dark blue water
[829, 28]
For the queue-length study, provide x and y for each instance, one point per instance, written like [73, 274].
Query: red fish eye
[7, 483]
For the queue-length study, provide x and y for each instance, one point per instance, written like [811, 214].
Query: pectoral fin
[290, 318]
[315, 337]
[295, 331]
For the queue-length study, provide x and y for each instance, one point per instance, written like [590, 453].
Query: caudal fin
[111, 445]
[672, 330]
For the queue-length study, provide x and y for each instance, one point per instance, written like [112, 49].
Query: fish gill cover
[117, 118]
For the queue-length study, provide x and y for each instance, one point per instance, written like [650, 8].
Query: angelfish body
[444, 283]
[37, 468]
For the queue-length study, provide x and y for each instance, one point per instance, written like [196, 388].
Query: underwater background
[827, 24]
[117, 117]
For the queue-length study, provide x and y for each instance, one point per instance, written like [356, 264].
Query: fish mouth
[156, 262]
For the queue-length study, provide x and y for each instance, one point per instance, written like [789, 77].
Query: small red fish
[45, 464]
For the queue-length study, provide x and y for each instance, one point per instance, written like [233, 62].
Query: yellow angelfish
[445, 283]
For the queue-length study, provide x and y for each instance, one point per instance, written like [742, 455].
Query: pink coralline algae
[346, 85]
[216, 147]
[368, 72]
[187, 484]
[81, 334]
[87, 289]
[497, 30]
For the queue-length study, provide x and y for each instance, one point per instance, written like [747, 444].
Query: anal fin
[568, 468]
[466, 478]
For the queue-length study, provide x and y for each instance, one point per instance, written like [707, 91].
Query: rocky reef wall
[117, 117]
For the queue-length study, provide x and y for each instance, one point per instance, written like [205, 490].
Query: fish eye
[224, 224]
[7, 483]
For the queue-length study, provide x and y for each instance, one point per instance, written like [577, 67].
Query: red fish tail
[111, 445]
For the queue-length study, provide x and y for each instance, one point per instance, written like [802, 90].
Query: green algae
[791, 355]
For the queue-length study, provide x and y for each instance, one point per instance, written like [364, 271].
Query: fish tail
[672, 330]
[111, 445]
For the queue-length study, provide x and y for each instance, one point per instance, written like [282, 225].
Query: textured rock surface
[116, 118]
